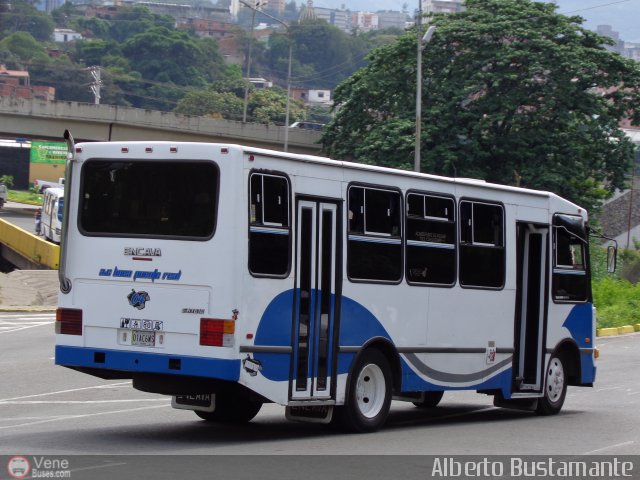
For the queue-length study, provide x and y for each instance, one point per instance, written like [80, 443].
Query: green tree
[268, 105]
[166, 55]
[7, 180]
[94, 52]
[231, 81]
[324, 47]
[514, 93]
[212, 104]
[21, 16]
[23, 46]
[70, 81]
[131, 21]
[92, 27]
[64, 15]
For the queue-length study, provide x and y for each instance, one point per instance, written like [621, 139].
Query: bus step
[310, 413]
[528, 404]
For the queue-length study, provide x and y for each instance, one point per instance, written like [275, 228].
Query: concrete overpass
[37, 119]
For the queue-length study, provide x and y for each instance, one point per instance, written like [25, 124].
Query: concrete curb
[25, 309]
[609, 332]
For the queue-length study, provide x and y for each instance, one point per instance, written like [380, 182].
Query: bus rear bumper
[128, 364]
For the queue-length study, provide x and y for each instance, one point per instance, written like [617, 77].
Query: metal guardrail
[29, 246]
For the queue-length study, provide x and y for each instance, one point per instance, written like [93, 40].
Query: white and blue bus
[228, 276]
[51, 215]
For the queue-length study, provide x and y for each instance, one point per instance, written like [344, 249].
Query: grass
[20, 196]
[617, 302]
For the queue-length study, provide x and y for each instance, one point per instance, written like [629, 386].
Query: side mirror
[612, 258]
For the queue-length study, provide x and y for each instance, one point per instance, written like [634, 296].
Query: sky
[622, 15]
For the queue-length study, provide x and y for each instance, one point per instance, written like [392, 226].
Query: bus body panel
[446, 337]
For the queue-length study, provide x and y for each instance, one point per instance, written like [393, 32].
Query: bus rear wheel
[429, 400]
[231, 409]
[368, 398]
[555, 388]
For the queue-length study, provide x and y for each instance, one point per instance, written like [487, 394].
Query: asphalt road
[16, 213]
[45, 409]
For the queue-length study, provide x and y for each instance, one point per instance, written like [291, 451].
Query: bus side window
[569, 260]
[431, 250]
[269, 225]
[374, 248]
[482, 253]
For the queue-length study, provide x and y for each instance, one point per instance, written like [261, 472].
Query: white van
[52, 208]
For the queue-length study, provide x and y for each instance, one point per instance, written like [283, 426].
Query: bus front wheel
[231, 410]
[555, 388]
[368, 397]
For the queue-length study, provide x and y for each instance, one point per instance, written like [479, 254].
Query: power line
[595, 6]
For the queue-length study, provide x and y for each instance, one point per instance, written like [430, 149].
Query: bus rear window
[143, 198]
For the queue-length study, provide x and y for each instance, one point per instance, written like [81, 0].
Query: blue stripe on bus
[275, 330]
[148, 362]
[412, 382]
[580, 324]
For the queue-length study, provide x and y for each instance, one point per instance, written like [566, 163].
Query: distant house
[312, 96]
[620, 216]
[16, 83]
[260, 83]
[206, 28]
[364, 21]
[64, 35]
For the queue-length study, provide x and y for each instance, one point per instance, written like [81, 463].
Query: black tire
[368, 396]
[429, 400]
[555, 388]
[230, 409]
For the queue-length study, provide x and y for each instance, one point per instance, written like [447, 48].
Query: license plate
[203, 402]
[143, 339]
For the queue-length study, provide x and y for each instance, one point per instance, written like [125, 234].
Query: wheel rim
[555, 380]
[370, 390]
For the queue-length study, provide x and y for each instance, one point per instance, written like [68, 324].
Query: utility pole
[422, 42]
[255, 8]
[96, 84]
[288, 107]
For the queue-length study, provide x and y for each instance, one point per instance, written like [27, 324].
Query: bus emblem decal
[138, 299]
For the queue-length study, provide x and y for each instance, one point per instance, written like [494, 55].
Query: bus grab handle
[65, 283]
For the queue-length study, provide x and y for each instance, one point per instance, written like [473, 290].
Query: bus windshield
[149, 198]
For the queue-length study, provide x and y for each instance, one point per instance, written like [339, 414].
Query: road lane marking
[118, 385]
[18, 329]
[40, 402]
[603, 449]
[74, 417]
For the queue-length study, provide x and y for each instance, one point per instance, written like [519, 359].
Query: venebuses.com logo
[18, 467]
[38, 467]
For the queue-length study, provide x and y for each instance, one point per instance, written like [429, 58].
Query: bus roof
[90, 148]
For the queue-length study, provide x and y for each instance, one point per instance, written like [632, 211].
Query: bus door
[531, 307]
[318, 273]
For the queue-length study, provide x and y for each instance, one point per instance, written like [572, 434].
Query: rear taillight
[69, 321]
[217, 333]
